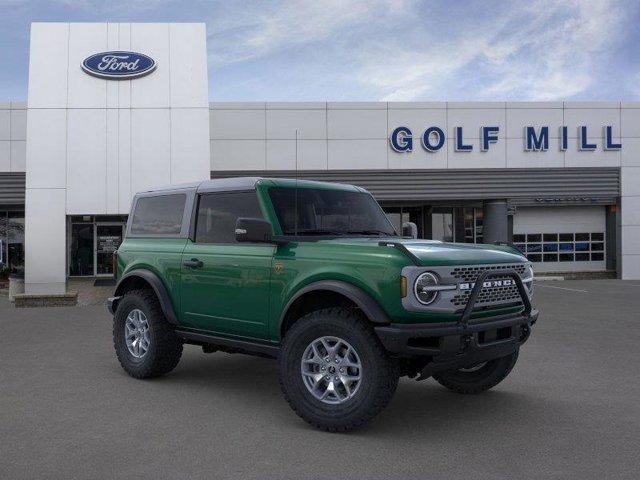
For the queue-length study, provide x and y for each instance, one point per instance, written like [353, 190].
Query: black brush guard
[468, 341]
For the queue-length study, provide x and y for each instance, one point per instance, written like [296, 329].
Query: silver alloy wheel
[331, 370]
[473, 368]
[136, 333]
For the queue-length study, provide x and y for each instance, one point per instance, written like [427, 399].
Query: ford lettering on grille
[507, 282]
[118, 65]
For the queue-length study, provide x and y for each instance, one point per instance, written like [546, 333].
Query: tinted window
[160, 215]
[218, 212]
[325, 211]
[569, 250]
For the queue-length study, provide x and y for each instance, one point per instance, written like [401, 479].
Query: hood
[440, 253]
[433, 252]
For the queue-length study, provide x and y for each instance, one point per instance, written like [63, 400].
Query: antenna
[295, 201]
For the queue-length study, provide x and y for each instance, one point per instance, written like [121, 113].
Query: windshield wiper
[314, 231]
[372, 232]
[322, 231]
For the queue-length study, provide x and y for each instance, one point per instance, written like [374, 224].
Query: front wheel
[146, 344]
[477, 378]
[333, 370]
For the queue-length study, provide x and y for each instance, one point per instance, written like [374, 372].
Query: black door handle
[193, 263]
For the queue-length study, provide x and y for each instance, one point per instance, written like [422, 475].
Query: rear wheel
[333, 371]
[146, 344]
[478, 378]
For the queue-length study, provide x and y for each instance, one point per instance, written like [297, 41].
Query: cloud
[260, 29]
[398, 50]
[542, 51]
[107, 7]
[557, 56]
[408, 50]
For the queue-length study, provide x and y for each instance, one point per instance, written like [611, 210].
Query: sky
[377, 50]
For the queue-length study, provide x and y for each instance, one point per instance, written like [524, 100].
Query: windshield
[328, 212]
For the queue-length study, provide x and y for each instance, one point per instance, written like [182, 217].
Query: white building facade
[561, 180]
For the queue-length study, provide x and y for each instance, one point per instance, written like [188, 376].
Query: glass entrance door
[108, 239]
[81, 251]
[400, 215]
[442, 226]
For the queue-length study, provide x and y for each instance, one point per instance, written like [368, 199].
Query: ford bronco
[314, 275]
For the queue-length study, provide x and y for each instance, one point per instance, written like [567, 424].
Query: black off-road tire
[379, 372]
[165, 347]
[470, 382]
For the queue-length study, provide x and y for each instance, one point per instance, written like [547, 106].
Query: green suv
[314, 275]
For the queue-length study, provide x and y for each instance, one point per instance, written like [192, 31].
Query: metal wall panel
[12, 188]
[526, 186]
[569, 186]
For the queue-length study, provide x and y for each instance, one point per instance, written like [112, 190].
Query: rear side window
[218, 212]
[159, 215]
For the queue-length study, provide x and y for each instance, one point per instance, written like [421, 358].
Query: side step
[229, 344]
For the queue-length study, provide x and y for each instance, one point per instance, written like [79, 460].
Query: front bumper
[450, 347]
[451, 339]
[467, 342]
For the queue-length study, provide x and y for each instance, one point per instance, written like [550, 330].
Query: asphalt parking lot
[570, 408]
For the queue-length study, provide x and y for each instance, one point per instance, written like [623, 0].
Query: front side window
[159, 215]
[218, 213]
[316, 211]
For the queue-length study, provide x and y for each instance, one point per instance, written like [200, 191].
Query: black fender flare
[158, 288]
[362, 299]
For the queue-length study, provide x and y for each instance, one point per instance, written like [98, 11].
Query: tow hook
[524, 333]
[465, 341]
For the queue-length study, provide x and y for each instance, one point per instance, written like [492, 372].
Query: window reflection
[11, 242]
[572, 247]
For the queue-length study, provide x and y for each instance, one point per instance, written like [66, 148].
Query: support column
[630, 223]
[45, 241]
[46, 151]
[495, 222]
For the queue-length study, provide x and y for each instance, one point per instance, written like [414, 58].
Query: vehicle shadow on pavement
[253, 382]
[441, 412]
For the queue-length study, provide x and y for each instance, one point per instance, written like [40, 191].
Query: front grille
[470, 273]
[488, 296]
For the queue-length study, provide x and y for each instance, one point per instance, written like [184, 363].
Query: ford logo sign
[118, 65]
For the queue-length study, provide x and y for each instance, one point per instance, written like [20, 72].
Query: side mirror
[253, 230]
[409, 229]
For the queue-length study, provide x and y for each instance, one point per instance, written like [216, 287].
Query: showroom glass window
[442, 226]
[11, 242]
[398, 215]
[93, 240]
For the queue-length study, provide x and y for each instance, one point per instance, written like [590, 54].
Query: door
[562, 239]
[81, 251]
[108, 239]
[225, 284]
[400, 215]
[442, 226]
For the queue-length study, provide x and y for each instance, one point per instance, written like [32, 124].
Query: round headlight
[529, 276]
[422, 290]
[529, 271]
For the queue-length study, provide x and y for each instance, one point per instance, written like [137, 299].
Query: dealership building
[115, 108]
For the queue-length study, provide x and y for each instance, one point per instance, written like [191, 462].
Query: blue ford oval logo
[118, 65]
